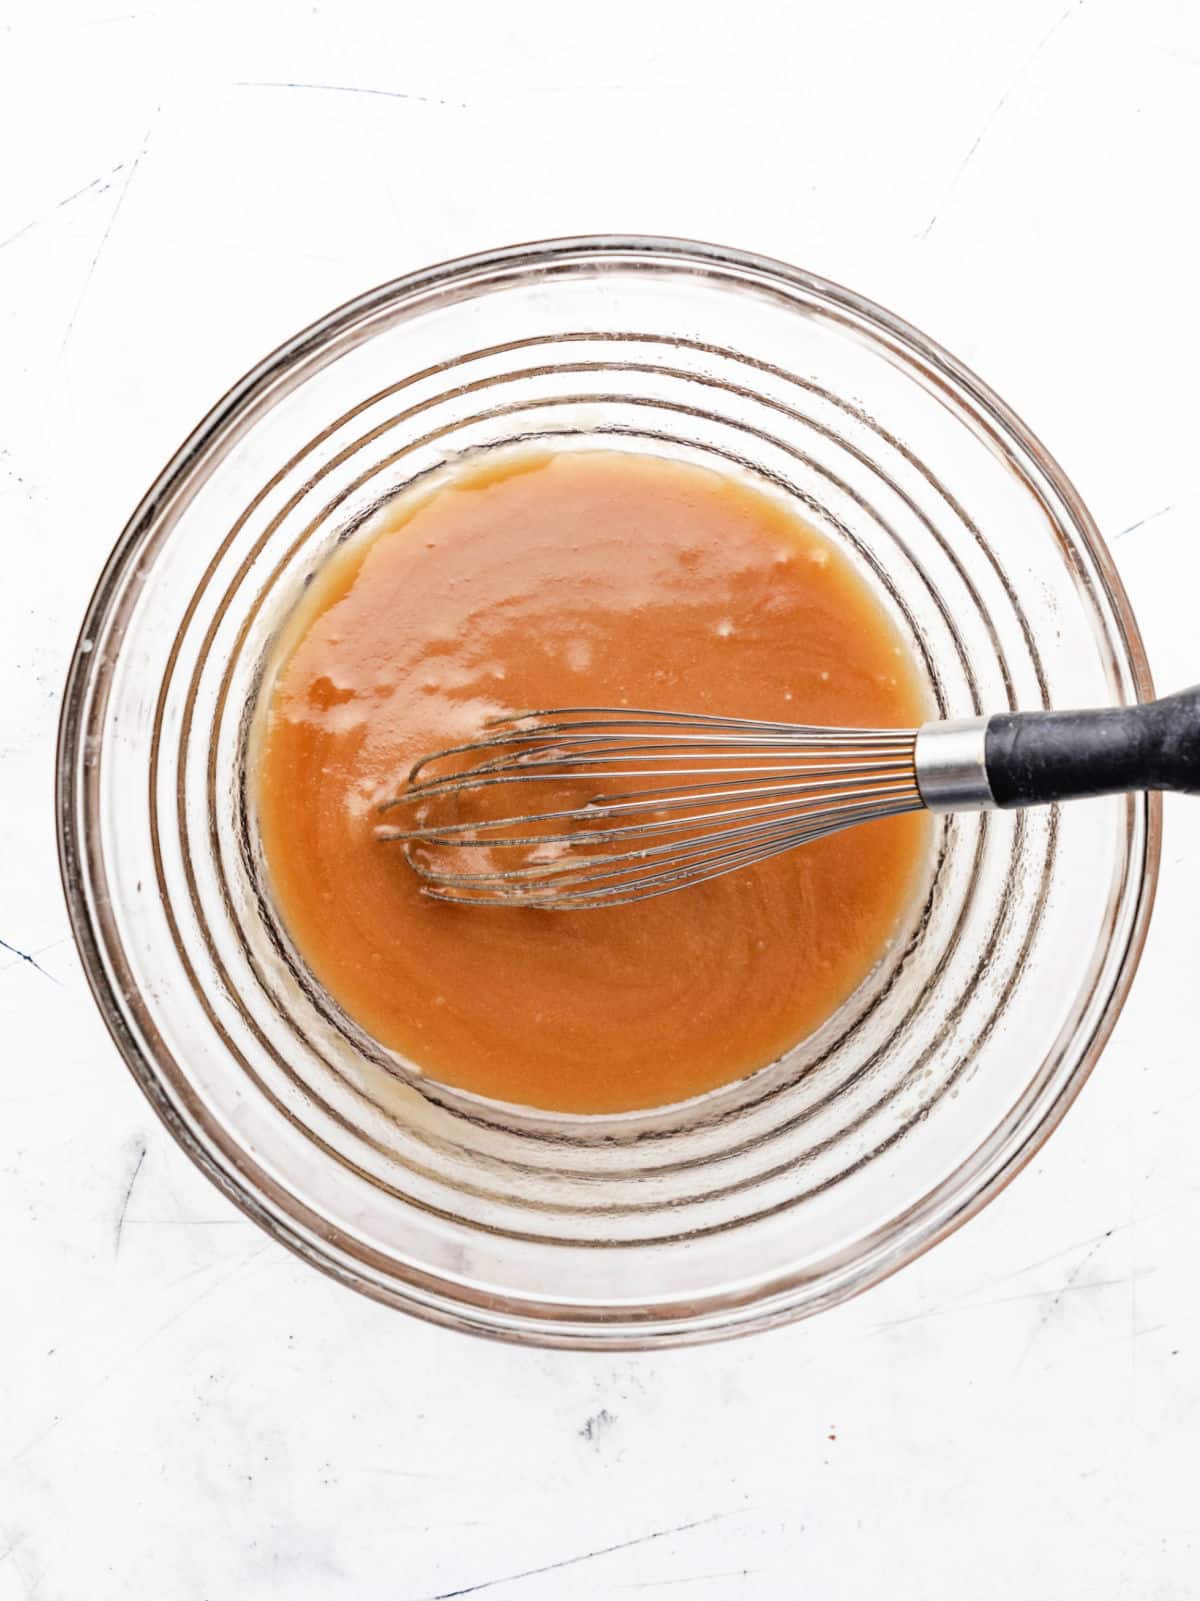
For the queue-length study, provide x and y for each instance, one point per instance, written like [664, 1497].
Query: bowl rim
[550, 1327]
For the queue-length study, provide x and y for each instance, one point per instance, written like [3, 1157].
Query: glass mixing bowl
[769, 1198]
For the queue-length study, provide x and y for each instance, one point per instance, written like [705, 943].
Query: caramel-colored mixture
[578, 578]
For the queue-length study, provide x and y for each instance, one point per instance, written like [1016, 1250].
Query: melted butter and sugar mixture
[589, 578]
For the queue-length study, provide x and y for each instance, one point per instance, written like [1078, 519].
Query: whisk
[599, 806]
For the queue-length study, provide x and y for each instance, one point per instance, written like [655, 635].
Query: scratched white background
[187, 1413]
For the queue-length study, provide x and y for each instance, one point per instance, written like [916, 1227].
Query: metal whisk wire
[713, 794]
[752, 790]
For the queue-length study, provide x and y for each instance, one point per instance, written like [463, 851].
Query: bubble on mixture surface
[724, 628]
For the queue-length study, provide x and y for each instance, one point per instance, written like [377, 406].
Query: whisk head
[599, 806]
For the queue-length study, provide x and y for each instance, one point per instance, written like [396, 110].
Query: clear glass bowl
[770, 1198]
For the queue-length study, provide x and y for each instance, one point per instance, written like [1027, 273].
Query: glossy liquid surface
[587, 578]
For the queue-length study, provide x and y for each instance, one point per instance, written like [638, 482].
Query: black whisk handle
[1036, 757]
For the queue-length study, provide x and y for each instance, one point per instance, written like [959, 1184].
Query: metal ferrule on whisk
[951, 767]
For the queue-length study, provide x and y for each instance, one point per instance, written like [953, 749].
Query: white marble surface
[186, 1412]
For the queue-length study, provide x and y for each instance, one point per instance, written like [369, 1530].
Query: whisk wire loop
[634, 803]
